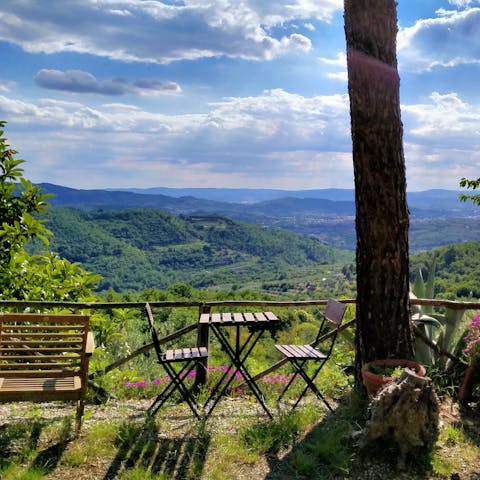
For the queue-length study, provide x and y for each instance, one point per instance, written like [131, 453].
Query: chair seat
[182, 354]
[31, 389]
[304, 352]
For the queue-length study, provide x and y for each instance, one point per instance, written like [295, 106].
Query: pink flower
[472, 338]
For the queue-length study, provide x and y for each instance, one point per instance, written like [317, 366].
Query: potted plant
[472, 351]
[378, 373]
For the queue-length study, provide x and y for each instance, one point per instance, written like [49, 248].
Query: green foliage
[19, 199]
[457, 270]
[441, 328]
[44, 276]
[269, 437]
[473, 185]
[143, 248]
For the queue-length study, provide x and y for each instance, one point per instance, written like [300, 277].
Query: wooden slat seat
[44, 357]
[301, 352]
[180, 355]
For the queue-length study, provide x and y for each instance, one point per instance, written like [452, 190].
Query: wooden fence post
[203, 340]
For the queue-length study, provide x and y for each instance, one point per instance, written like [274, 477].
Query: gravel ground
[231, 412]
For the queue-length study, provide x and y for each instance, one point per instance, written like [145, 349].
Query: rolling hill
[140, 248]
[437, 217]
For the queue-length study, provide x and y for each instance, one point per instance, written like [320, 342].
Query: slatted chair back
[34, 345]
[153, 332]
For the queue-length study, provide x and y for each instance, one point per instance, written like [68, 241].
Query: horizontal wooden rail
[144, 349]
[453, 304]
[164, 304]
[206, 306]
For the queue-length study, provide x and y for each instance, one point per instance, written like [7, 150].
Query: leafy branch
[473, 185]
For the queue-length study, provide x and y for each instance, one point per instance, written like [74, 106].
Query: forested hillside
[143, 248]
[437, 217]
[457, 270]
[136, 249]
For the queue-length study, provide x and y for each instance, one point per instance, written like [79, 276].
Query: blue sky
[226, 93]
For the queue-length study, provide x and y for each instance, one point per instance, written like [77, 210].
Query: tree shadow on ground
[19, 439]
[48, 458]
[330, 451]
[145, 447]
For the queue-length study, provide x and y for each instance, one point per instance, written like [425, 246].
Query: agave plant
[440, 328]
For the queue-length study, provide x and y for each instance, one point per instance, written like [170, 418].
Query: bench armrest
[90, 346]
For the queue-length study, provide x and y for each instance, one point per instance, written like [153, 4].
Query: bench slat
[52, 350]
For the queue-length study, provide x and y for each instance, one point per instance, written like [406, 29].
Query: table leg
[238, 357]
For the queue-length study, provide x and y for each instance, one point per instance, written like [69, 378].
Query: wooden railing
[205, 307]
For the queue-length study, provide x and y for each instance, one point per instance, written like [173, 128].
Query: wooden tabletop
[246, 318]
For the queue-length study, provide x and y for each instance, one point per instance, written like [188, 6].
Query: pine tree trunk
[383, 307]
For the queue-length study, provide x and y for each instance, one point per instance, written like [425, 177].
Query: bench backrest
[42, 345]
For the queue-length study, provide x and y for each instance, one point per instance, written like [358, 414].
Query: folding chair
[299, 355]
[190, 357]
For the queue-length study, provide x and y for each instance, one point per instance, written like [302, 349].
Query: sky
[226, 93]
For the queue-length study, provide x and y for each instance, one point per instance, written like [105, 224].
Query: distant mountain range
[438, 217]
[265, 201]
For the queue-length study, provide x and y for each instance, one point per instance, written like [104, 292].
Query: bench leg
[80, 410]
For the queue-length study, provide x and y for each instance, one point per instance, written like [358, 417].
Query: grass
[119, 441]
[308, 442]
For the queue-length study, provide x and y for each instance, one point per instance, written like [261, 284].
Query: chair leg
[292, 379]
[175, 384]
[309, 381]
[299, 371]
[79, 416]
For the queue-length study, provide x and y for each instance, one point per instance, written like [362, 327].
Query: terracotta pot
[374, 382]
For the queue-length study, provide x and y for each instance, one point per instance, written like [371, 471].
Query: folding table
[238, 350]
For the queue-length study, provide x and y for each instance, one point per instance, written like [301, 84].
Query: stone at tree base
[407, 411]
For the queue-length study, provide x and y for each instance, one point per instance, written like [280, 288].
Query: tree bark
[382, 221]
[406, 411]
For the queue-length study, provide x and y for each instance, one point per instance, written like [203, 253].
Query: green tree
[24, 276]
[473, 185]
[18, 201]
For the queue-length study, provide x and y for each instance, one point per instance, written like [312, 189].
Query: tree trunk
[383, 307]
[406, 411]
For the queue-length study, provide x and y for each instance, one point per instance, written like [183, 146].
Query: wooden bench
[45, 357]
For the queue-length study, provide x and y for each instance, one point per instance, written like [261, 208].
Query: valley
[290, 246]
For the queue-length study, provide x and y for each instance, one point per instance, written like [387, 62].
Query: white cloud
[238, 138]
[6, 85]
[445, 119]
[442, 140]
[156, 32]
[462, 3]
[340, 61]
[449, 40]
[84, 82]
[341, 76]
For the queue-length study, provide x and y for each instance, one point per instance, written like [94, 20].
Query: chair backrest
[334, 313]
[42, 345]
[153, 331]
